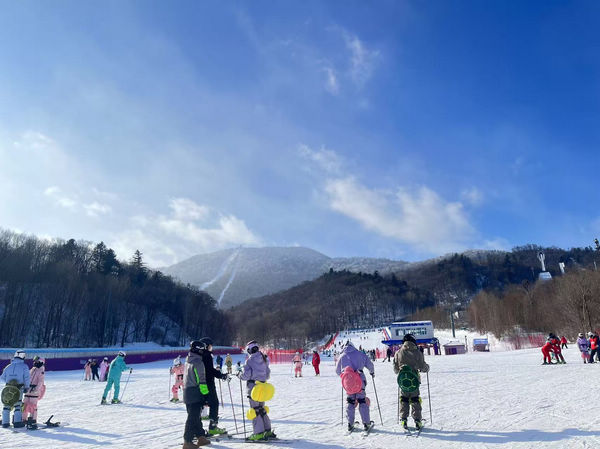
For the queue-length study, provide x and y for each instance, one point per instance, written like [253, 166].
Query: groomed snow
[480, 400]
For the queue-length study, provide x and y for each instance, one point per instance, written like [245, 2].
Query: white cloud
[96, 209]
[60, 198]
[473, 196]
[331, 83]
[186, 209]
[362, 60]
[421, 218]
[327, 160]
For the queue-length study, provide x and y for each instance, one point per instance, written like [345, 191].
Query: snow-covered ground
[480, 400]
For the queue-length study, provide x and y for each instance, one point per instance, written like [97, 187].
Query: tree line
[74, 293]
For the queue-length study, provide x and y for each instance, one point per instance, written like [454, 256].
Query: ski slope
[493, 400]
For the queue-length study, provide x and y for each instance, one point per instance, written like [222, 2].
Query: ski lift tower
[544, 275]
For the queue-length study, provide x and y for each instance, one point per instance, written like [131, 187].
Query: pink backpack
[351, 381]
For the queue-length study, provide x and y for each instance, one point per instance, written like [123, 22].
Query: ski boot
[115, 401]
[404, 423]
[213, 430]
[350, 427]
[103, 401]
[202, 441]
[418, 424]
[270, 435]
[31, 424]
[18, 425]
[174, 400]
[257, 437]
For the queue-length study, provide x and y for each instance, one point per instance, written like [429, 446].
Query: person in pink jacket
[36, 392]
[297, 361]
[88, 370]
[177, 370]
[104, 369]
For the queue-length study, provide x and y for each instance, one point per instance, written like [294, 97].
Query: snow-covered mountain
[231, 276]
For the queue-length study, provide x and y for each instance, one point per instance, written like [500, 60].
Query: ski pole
[398, 413]
[243, 412]
[378, 408]
[125, 387]
[429, 399]
[232, 407]
[221, 392]
[342, 406]
[169, 383]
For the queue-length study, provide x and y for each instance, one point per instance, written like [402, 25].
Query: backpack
[351, 381]
[408, 379]
[10, 395]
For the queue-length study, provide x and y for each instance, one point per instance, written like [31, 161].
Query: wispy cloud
[327, 160]
[331, 82]
[472, 196]
[362, 59]
[60, 198]
[96, 209]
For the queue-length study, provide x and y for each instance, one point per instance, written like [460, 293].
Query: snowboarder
[94, 368]
[104, 369]
[36, 392]
[256, 369]
[410, 360]
[88, 370]
[117, 366]
[584, 347]
[17, 379]
[316, 360]
[177, 371]
[228, 363]
[355, 362]
[563, 342]
[195, 392]
[212, 397]
[297, 361]
[593, 338]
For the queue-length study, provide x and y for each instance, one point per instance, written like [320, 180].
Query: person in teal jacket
[117, 366]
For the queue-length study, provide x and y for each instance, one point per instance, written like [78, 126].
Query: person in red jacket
[546, 349]
[556, 349]
[593, 346]
[563, 342]
[316, 360]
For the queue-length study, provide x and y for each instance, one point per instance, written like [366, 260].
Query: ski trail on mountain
[222, 270]
[233, 273]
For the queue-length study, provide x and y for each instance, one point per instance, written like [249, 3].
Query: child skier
[297, 361]
[238, 368]
[88, 370]
[212, 398]
[219, 362]
[410, 359]
[195, 392]
[103, 369]
[177, 371]
[228, 363]
[256, 369]
[563, 342]
[584, 347]
[117, 366]
[357, 361]
[593, 339]
[16, 376]
[36, 392]
[316, 360]
[556, 349]
[546, 350]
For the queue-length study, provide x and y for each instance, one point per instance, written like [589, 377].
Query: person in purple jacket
[358, 361]
[256, 369]
[584, 347]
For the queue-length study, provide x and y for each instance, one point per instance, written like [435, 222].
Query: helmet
[252, 347]
[20, 354]
[410, 337]
[207, 341]
[196, 346]
[106, 358]
[122, 353]
[580, 335]
[38, 362]
[89, 360]
[590, 334]
[177, 361]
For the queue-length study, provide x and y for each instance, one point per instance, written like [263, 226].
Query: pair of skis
[364, 432]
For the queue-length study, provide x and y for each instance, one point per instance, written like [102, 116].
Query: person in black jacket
[212, 399]
[195, 392]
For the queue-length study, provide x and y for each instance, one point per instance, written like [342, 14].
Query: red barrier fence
[527, 341]
[281, 355]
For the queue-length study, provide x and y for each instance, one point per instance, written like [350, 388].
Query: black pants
[593, 352]
[193, 424]
[564, 346]
[212, 400]
[95, 375]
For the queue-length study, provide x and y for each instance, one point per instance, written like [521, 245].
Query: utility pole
[452, 321]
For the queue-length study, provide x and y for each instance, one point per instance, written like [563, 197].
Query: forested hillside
[336, 300]
[67, 293]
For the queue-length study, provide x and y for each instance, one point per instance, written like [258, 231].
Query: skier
[177, 371]
[410, 359]
[228, 363]
[36, 392]
[256, 369]
[212, 398]
[593, 338]
[584, 347]
[556, 349]
[94, 368]
[297, 361]
[316, 360]
[104, 369]
[238, 368]
[117, 366]
[546, 350]
[16, 376]
[88, 370]
[356, 361]
[195, 392]
[220, 362]
[563, 342]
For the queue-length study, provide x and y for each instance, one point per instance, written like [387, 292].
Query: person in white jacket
[17, 379]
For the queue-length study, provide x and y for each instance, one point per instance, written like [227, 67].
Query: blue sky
[387, 129]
